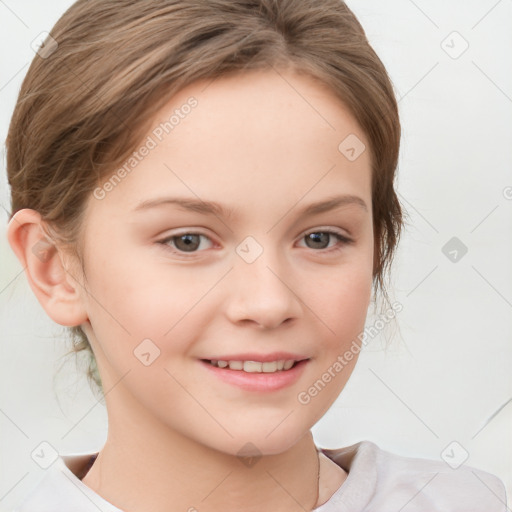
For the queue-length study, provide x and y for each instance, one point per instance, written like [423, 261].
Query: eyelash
[342, 241]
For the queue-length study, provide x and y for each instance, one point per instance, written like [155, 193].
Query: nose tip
[259, 294]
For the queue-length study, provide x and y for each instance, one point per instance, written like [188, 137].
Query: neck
[146, 466]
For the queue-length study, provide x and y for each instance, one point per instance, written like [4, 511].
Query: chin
[260, 443]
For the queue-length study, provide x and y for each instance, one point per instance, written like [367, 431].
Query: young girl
[204, 193]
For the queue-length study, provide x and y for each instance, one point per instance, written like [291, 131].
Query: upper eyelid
[327, 230]
[321, 229]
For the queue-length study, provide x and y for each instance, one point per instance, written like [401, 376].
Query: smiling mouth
[281, 365]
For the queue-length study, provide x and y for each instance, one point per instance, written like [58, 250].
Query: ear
[55, 288]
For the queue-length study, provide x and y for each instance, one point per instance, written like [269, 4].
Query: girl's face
[241, 230]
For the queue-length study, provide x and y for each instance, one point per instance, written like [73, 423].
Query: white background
[447, 370]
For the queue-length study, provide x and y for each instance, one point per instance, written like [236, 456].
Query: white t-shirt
[378, 481]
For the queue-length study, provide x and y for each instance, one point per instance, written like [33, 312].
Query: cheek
[132, 300]
[342, 306]
[124, 307]
[341, 303]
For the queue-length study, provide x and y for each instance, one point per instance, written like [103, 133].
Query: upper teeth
[255, 366]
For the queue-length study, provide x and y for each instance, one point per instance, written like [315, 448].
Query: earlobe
[53, 285]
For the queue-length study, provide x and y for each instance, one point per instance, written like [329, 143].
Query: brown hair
[86, 103]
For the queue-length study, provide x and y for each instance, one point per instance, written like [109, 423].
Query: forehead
[259, 138]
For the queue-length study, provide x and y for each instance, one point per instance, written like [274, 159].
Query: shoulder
[61, 490]
[394, 482]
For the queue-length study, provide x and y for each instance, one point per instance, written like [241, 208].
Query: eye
[190, 242]
[320, 239]
[185, 242]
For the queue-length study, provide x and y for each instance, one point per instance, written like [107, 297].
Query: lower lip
[258, 381]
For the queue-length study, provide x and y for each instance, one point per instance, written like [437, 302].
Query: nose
[262, 293]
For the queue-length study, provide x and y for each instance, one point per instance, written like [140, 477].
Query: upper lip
[260, 358]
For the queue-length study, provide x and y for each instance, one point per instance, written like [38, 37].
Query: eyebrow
[213, 208]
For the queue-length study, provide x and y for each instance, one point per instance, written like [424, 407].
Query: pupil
[318, 238]
[191, 242]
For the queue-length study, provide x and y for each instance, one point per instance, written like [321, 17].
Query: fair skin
[254, 145]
